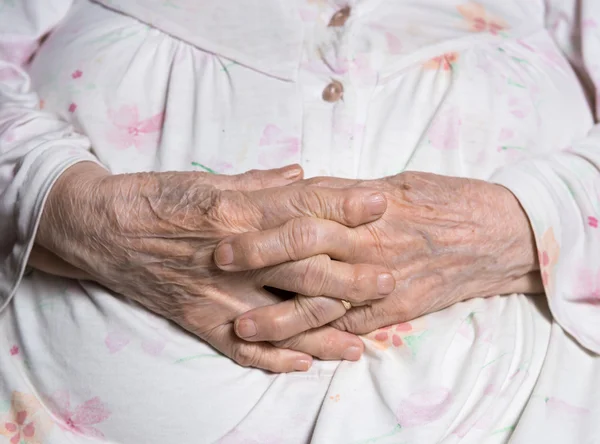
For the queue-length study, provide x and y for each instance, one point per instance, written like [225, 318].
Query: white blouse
[497, 90]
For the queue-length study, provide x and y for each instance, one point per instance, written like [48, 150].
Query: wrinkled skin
[151, 237]
[446, 239]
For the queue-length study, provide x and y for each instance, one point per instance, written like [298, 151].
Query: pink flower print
[518, 108]
[424, 407]
[81, 419]
[153, 347]
[115, 341]
[588, 286]
[14, 350]
[593, 221]
[394, 45]
[479, 20]
[26, 422]
[548, 251]
[560, 408]
[129, 130]
[589, 23]
[20, 427]
[443, 62]
[445, 129]
[505, 134]
[72, 107]
[390, 336]
[277, 147]
[76, 74]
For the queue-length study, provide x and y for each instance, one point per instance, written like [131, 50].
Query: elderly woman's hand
[151, 237]
[447, 239]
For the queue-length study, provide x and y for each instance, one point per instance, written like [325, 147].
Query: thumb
[261, 179]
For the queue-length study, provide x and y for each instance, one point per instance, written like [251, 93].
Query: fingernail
[352, 354]
[302, 365]
[385, 283]
[224, 254]
[292, 172]
[245, 328]
[376, 204]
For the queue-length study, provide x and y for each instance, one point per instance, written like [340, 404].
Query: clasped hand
[199, 249]
[446, 239]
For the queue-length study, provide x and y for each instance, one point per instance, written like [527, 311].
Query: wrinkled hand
[446, 239]
[151, 237]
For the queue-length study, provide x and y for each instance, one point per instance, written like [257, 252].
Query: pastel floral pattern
[129, 130]
[444, 130]
[26, 422]
[277, 147]
[480, 20]
[81, 419]
[444, 62]
[548, 251]
[116, 341]
[558, 408]
[424, 407]
[588, 286]
[391, 336]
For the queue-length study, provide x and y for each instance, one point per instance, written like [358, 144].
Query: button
[339, 18]
[333, 92]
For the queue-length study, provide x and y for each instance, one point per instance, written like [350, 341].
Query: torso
[461, 374]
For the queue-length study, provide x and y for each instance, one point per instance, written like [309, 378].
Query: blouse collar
[265, 35]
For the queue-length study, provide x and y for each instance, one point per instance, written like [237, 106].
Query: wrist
[515, 230]
[69, 208]
[513, 265]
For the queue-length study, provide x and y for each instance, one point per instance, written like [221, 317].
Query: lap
[87, 362]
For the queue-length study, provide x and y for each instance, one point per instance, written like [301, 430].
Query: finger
[320, 276]
[325, 343]
[362, 320]
[256, 354]
[288, 318]
[258, 179]
[350, 207]
[296, 239]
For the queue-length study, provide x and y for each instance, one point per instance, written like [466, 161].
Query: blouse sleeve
[35, 146]
[561, 192]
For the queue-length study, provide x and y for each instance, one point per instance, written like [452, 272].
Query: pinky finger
[258, 354]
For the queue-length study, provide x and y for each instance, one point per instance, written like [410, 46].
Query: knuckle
[245, 355]
[312, 311]
[362, 281]
[352, 207]
[301, 236]
[315, 275]
[291, 343]
[255, 177]
[346, 323]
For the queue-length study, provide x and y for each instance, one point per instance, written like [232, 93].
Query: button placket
[328, 120]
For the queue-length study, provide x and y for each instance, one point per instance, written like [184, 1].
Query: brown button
[333, 92]
[340, 17]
